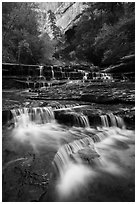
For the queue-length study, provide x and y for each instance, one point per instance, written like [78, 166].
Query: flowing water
[84, 153]
[53, 77]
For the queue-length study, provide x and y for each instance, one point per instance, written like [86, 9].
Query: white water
[83, 153]
[52, 71]
[41, 70]
[74, 179]
[115, 121]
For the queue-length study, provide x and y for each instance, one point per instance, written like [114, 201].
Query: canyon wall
[68, 14]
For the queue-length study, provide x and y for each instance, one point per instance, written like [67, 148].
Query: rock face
[68, 14]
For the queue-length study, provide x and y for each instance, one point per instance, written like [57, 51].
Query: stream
[59, 147]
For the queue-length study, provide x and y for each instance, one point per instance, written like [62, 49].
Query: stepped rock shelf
[40, 142]
[54, 129]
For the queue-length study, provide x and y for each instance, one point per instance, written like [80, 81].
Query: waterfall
[104, 120]
[63, 73]
[84, 120]
[112, 120]
[75, 119]
[52, 71]
[39, 115]
[66, 153]
[41, 69]
[99, 136]
[36, 128]
[82, 161]
[82, 154]
[120, 122]
[68, 164]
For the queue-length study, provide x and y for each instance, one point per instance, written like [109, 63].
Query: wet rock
[88, 154]
[6, 116]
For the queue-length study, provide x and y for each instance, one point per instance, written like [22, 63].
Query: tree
[117, 40]
[47, 48]
[54, 32]
[20, 25]
[104, 33]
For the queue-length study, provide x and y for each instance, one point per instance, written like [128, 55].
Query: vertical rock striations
[68, 14]
[60, 17]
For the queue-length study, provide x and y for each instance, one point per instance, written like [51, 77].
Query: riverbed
[28, 173]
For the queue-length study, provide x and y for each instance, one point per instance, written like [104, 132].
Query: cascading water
[104, 120]
[112, 120]
[62, 73]
[28, 115]
[52, 71]
[83, 154]
[36, 127]
[77, 119]
[41, 69]
[84, 160]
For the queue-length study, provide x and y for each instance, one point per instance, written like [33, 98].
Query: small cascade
[68, 163]
[66, 154]
[85, 77]
[82, 161]
[65, 106]
[83, 155]
[101, 76]
[112, 120]
[84, 120]
[104, 120]
[72, 118]
[39, 115]
[106, 76]
[52, 71]
[120, 122]
[41, 69]
[99, 136]
[61, 73]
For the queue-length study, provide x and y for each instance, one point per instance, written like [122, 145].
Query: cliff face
[68, 14]
[42, 10]
[45, 6]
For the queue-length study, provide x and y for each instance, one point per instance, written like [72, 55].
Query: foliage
[21, 38]
[54, 31]
[19, 26]
[105, 33]
[47, 48]
[116, 41]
